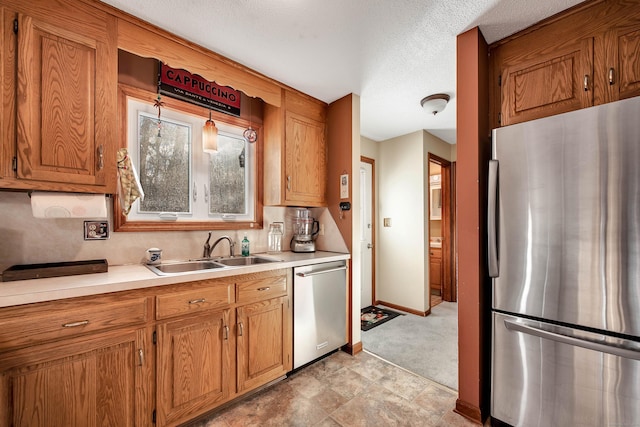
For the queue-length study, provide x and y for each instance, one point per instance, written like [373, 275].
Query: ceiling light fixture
[433, 104]
[210, 135]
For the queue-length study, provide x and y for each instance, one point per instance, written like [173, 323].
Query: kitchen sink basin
[245, 260]
[183, 267]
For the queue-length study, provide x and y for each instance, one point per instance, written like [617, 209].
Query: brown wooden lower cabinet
[435, 270]
[264, 339]
[214, 341]
[78, 382]
[194, 365]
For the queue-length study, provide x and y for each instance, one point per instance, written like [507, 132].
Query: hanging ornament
[250, 134]
[159, 104]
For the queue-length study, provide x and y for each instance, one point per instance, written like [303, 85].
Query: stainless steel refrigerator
[564, 251]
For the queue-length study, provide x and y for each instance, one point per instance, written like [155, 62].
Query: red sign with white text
[192, 88]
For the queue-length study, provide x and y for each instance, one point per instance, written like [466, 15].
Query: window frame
[122, 223]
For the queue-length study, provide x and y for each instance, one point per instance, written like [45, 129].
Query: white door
[366, 234]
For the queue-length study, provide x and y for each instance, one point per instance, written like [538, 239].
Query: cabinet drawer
[261, 288]
[51, 321]
[193, 300]
[435, 253]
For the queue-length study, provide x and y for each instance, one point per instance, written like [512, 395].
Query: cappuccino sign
[192, 88]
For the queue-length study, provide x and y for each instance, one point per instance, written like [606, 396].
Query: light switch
[387, 222]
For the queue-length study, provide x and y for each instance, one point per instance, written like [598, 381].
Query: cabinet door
[264, 342]
[305, 160]
[540, 84]
[65, 103]
[194, 365]
[435, 269]
[102, 382]
[623, 63]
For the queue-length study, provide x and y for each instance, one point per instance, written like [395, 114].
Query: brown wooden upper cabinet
[64, 87]
[295, 168]
[587, 56]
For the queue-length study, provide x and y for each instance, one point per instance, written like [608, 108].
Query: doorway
[441, 219]
[367, 232]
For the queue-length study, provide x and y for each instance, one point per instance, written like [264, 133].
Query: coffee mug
[154, 255]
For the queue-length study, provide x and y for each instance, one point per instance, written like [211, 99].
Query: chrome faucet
[208, 249]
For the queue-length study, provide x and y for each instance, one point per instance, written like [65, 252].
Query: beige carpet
[427, 346]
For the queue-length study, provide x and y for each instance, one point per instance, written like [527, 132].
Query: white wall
[368, 148]
[27, 240]
[402, 265]
[401, 197]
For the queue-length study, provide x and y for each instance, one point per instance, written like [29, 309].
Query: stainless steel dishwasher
[319, 310]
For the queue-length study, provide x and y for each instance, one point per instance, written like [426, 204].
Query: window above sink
[185, 187]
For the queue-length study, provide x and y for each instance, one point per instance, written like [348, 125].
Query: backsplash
[27, 240]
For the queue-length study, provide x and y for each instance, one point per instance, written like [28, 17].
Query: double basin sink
[179, 267]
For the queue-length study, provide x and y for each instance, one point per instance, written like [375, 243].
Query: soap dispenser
[245, 245]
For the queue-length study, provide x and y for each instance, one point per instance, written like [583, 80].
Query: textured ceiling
[392, 53]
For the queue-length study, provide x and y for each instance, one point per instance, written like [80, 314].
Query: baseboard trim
[405, 309]
[353, 349]
[470, 412]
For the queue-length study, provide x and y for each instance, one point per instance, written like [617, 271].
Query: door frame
[372, 162]
[449, 288]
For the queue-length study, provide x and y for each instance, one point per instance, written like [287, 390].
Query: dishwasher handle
[328, 270]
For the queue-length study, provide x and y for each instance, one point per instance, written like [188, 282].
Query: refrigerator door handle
[492, 232]
[619, 347]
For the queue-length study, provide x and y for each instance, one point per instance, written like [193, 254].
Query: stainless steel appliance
[319, 310]
[305, 231]
[564, 251]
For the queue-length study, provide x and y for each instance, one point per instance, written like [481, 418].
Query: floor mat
[371, 317]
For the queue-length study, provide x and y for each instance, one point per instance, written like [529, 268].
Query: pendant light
[210, 136]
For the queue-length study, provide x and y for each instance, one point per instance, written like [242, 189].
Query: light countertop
[137, 276]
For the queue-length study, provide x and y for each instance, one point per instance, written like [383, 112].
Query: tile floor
[348, 391]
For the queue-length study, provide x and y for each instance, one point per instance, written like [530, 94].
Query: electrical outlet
[321, 229]
[387, 222]
[96, 230]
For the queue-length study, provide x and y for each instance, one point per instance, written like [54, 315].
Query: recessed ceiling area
[392, 54]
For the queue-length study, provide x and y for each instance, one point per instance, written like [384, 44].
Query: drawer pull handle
[75, 324]
[240, 329]
[226, 332]
[586, 82]
[140, 356]
[197, 301]
[289, 182]
[266, 288]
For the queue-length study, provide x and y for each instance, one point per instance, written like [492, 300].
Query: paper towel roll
[68, 205]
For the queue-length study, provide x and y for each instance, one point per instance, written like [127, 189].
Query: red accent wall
[473, 145]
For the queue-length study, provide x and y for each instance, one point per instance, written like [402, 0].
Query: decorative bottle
[245, 245]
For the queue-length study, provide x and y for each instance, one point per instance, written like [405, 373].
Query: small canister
[276, 231]
[154, 255]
